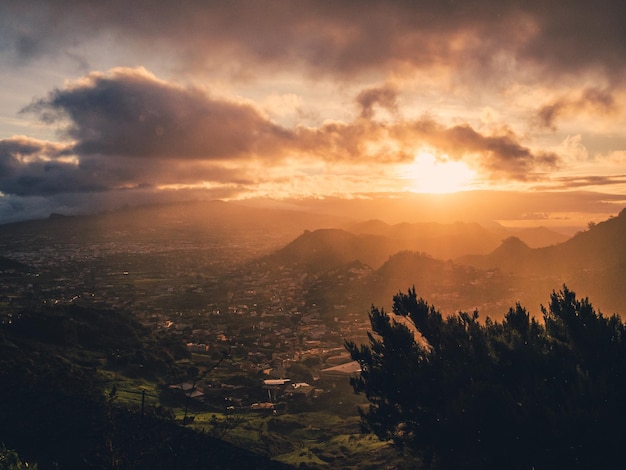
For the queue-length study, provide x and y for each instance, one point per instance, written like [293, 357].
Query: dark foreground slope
[58, 411]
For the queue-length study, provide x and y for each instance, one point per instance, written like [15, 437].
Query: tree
[10, 460]
[459, 393]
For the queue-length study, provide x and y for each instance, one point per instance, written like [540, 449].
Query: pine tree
[460, 393]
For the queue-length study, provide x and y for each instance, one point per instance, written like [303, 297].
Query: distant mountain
[325, 249]
[513, 255]
[260, 229]
[449, 241]
[449, 286]
[592, 262]
[537, 237]
[601, 247]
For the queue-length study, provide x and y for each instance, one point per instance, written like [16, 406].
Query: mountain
[449, 241]
[600, 247]
[325, 249]
[537, 237]
[166, 225]
[513, 255]
[592, 262]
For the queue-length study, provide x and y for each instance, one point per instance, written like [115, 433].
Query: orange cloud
[130, 129]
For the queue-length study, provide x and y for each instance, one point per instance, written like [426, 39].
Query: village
[275, 346]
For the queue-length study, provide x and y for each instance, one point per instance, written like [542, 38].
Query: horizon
[341, 214]
[416, 111]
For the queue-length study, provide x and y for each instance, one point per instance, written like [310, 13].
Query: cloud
[591, 100]
[386, 97]
[336, 38]
[588, 181]
[21, 150]
[33, 167]
[36, 168]
[128, 129]
[501, 155]
[131, 113]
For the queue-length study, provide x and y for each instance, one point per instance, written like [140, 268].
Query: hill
[593, 262]
[449, 241]
[325, 249]
[60, 411]
[600, 247]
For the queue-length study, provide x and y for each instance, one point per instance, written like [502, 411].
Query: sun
[428, 174]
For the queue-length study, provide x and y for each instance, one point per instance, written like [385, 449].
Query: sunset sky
[514, 110]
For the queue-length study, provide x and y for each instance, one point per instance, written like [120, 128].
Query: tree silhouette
[10, 460]
[459, 393]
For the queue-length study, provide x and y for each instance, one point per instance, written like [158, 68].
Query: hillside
[602, 246]
[592, 262]
[449, 241]
[62, 412]
[325, 249]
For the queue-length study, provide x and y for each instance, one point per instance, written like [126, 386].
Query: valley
[254, 311]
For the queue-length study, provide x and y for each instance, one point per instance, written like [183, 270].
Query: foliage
[10, 460]
[459, 393]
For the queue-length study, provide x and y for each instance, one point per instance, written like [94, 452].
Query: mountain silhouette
[325, 249]
[449, 241]
[512, 255]
[592, 262]
[602, 246]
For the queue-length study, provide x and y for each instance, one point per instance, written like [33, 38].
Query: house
[341, 371]
[275, 387]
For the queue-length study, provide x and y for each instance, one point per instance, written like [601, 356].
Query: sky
[510, 110]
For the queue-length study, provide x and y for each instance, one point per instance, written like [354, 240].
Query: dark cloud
[577, 35]
[129, 112]
[577, 182]
[386, 97]
[592, 100]
[31, 168]
[501, 155]
[20, 151]
[335, 37]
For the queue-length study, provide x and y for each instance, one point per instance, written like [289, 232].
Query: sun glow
[428, 174]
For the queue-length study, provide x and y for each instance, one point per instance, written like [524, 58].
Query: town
[219, 298]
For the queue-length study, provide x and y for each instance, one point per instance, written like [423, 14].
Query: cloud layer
[241, 98]
[127, 128]
[343, 37]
